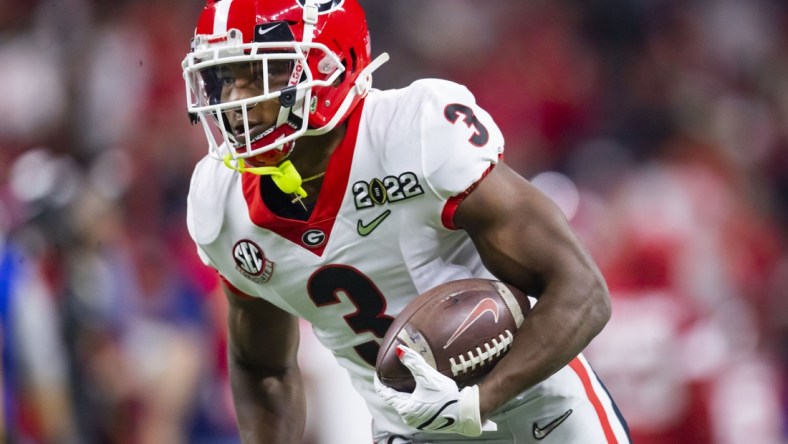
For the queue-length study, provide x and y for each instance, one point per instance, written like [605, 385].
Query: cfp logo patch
[324, 6]
[389, 189]
[251, 262]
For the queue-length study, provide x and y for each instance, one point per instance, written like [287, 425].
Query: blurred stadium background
[659, 126]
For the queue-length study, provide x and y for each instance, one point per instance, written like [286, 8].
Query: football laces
[479, 357]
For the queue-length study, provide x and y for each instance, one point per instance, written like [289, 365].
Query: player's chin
[269, 158]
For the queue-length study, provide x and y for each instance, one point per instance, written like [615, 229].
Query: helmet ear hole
[353, 60]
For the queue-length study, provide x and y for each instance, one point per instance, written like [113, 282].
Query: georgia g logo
[324, 6]
[313, 238]
[251, 262]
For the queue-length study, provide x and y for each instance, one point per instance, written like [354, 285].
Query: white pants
[570, 407]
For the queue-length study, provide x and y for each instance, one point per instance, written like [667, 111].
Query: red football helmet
[313, 56]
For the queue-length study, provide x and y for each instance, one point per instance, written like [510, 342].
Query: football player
[327, 200]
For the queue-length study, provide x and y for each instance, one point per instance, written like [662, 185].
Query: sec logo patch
[251, 262]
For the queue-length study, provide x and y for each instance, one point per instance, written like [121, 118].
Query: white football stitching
[482, 357]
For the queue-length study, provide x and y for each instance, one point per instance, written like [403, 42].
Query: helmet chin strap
[310, 20]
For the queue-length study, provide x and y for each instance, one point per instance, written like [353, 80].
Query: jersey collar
[312, 234]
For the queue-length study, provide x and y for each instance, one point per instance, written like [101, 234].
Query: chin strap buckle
[310, 20]
[310, 12]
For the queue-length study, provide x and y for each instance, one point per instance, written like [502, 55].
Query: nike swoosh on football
[365, 229]
[542, 432]
[485, 305]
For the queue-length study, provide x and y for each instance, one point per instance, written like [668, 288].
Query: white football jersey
[381, 231]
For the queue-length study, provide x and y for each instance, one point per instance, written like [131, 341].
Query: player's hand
[437, 404]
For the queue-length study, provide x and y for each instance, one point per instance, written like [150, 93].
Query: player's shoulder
[406, 113]
[210, 186]
[419, 93]
[428, 89]
[437, 124]
[211, 179]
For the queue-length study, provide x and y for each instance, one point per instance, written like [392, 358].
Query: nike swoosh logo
[541, 432]
[262, 31]
[484, 306]
[365, 229]
[449, 421]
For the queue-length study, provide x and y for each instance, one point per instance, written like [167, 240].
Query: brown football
[461, 328]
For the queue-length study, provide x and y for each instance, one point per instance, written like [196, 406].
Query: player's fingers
[410, 357]
[422, 372]
[398, 401]
[412, 360]
[379, 386]
[386, 392]
[382, 389]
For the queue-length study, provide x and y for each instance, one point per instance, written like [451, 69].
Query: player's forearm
[558, 328]
[269, 408]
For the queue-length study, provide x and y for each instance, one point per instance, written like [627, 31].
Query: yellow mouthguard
[285, 176]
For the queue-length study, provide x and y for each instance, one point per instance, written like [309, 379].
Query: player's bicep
[522, 236]
[260, 336]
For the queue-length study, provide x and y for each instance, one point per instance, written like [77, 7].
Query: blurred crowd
[660, 127]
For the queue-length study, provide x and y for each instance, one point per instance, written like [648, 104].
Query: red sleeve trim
[237, 292]
[447, 215]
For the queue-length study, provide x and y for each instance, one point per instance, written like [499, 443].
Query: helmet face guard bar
[211, 53]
